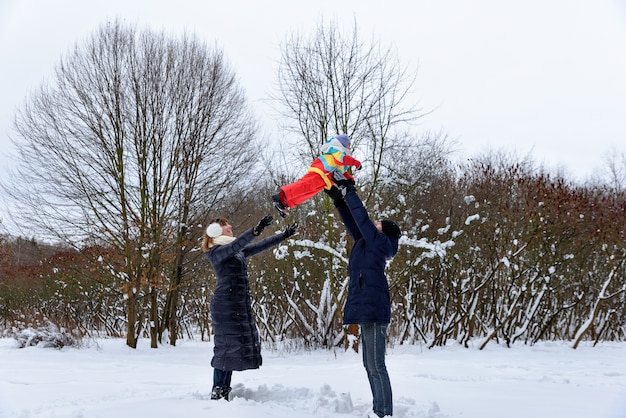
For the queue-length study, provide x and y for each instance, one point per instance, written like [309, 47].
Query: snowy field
[110, 380]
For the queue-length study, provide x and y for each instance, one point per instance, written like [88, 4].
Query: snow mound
[323, 403]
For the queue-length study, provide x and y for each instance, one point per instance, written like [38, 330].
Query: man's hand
[334, 193]
[343, 184]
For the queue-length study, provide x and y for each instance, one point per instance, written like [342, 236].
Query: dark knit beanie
[391, 229]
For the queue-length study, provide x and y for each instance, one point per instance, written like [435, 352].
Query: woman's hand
[263, 223]
[290, 230]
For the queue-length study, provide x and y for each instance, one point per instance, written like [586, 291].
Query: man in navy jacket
[368, 303]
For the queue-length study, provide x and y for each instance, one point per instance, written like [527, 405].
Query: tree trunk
[154, 318]
[131, 330]
[593, 312]
[170, 318]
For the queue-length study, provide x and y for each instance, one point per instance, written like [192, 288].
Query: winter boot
[282, 210]
[217, 393]
[226, 393]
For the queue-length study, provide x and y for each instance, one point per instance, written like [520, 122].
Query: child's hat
[343, 138]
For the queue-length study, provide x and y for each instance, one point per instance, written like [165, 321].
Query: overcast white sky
[545, 77]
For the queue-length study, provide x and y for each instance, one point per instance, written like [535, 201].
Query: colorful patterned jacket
[335, 157]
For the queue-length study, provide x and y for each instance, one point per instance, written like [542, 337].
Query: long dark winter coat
[368, 291]
[237, 344]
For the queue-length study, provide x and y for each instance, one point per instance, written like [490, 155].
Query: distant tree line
[492, 251]
[142, 138]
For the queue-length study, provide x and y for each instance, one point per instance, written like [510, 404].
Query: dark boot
[217, 393]
[226, 393]
[282, 210]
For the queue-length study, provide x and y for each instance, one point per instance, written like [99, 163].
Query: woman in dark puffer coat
[237, 344]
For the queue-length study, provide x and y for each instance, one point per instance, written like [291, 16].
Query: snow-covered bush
[48, 336]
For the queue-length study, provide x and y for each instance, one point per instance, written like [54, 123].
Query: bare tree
[332, 83]
[613, 173]
[135, 139]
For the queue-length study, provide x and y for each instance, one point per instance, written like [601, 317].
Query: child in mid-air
[335, 157]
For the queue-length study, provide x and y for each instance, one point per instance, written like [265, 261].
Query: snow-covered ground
[110, 380]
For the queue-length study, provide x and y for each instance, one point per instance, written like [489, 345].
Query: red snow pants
[309, 185]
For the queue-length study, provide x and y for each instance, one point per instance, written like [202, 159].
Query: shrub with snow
[49, 336]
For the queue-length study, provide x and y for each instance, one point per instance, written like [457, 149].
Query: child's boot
[282, 210]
